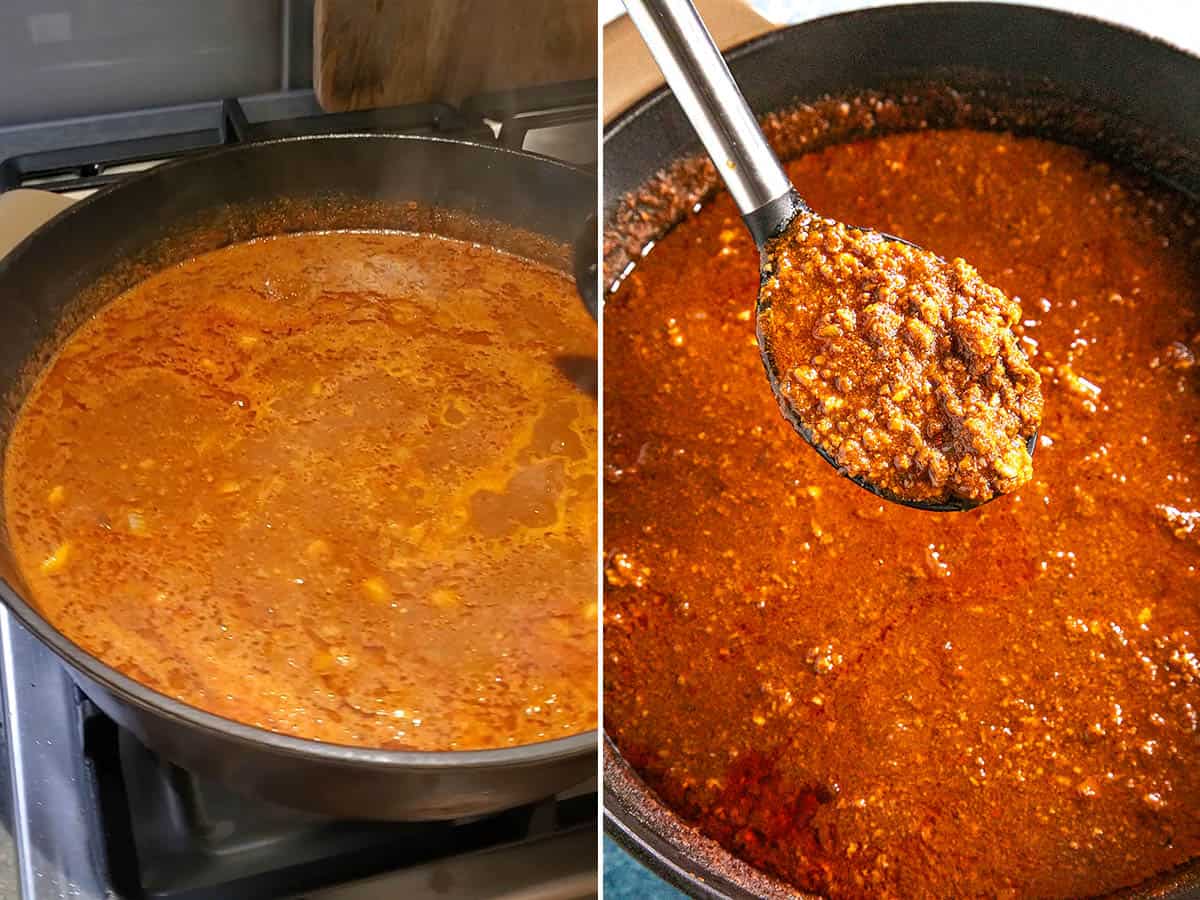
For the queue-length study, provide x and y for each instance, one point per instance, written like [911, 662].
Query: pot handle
[586, 263]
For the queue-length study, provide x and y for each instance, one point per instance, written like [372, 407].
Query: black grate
[99, 164]
[88, 154]
[172, 836]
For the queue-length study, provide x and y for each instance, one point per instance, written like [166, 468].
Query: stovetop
[95, 815]
[77, 156]
[89, 812]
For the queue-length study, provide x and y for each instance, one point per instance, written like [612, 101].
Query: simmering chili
[342, 486]
[864, 699]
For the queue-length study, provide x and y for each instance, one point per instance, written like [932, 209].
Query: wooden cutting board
[370, 53]
[629, 70]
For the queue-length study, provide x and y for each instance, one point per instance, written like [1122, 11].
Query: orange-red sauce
[868, 700]
[342, 486]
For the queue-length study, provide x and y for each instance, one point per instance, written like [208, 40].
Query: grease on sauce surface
[867, 700]
[342, 486]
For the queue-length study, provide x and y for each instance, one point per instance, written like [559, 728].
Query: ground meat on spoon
[903, 366]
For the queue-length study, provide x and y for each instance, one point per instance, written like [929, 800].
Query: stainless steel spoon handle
[697, 74]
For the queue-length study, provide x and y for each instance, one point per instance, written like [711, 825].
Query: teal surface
[627, 879]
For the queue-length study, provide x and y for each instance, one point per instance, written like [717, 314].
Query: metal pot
[1072, 79]
[92, 251]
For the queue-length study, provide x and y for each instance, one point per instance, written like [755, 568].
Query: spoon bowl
[770, 222]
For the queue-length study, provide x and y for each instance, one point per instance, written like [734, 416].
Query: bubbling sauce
[341, 486]
[868, 700]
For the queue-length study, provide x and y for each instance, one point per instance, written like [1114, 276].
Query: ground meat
[903, 366]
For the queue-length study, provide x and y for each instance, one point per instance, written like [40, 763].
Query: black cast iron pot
[95, 249]
[1120, 94]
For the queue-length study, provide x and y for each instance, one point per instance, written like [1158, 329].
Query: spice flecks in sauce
[901, 365]
[338, 485]
[868, 700]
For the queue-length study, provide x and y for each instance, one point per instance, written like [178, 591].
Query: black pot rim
[638, 107]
